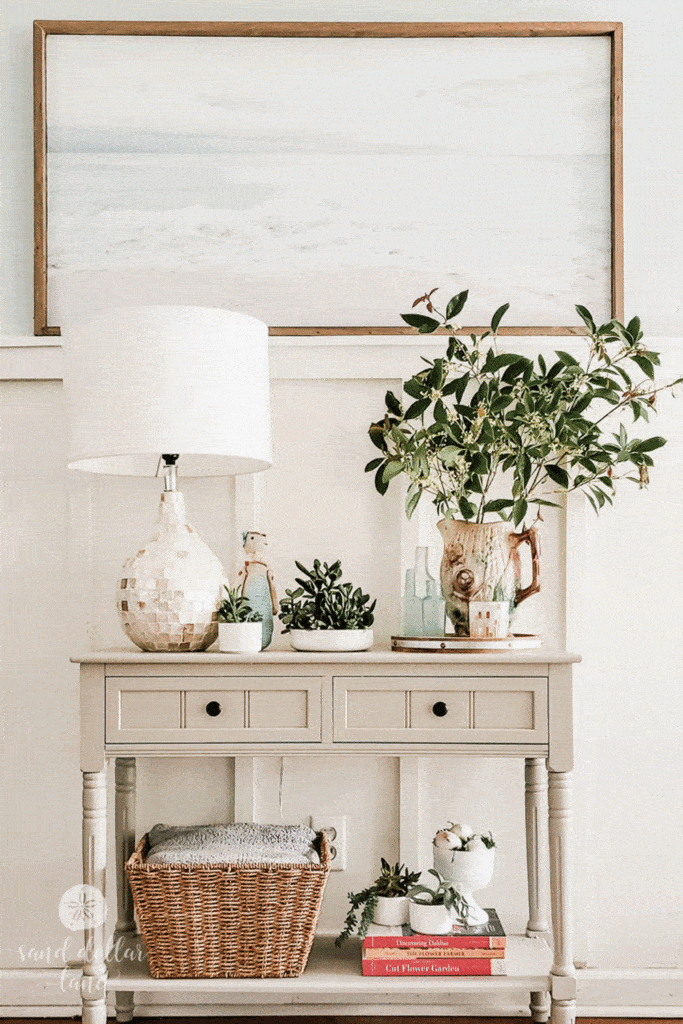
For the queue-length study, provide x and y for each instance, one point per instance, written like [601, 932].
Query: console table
[511, 703]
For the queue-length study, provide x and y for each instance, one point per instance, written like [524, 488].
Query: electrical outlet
[335, 828]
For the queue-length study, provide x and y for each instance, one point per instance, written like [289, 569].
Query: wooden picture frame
[43, 30]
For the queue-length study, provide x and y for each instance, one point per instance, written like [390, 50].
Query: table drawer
[216, 709]
[435, 709]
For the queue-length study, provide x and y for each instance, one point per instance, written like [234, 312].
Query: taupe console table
[512, 704]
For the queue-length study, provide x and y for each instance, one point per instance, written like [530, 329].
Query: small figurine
[256, 580]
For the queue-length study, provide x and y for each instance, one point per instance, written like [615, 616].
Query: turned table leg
[124, 813]
[562, 974]
[94, 979]
[535, 779]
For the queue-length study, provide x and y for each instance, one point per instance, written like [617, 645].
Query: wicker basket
[227, 920]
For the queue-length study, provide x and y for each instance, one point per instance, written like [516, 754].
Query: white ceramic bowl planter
[330, 639]
[468, 870]
[391, 911]
[240, 637]
[430, 919]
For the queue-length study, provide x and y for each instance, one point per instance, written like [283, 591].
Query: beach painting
[317, 181]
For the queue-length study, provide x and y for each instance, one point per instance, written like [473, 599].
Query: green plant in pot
[434, 910]
[493, 437]
[324, 614]
[239, 626]
[384, 902]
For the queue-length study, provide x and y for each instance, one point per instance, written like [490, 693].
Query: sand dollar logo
[82, 906]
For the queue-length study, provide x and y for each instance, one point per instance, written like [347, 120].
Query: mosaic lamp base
[170, 589]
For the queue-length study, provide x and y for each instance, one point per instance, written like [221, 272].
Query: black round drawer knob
[213, 708]
[440, 709]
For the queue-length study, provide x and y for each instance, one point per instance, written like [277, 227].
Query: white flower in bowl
[447, 840]
[463, 832]
[474, 844]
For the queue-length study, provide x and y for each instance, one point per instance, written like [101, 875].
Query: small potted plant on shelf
[432, 910]
[323, 614]
[465, 859]
[239, 626]
[494, 437]
[384, 902]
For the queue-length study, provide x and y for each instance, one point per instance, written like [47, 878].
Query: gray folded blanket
[238, 843]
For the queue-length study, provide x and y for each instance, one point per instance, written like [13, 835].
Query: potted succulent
[493, 435]
[323, 614]
[384, 902]
[465, 859]
[432, 910]
[239, 626]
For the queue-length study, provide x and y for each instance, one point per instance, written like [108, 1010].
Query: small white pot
[430, 920]
[240, 637]
[330, 639]
[391, 911]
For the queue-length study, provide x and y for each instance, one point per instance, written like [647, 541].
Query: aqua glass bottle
[412, 608]
[433, 610]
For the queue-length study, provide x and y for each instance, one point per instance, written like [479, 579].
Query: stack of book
[403, 953]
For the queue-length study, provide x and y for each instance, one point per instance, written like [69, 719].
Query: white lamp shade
[149, 380]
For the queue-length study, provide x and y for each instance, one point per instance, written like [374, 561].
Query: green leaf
[412, 502]
[380, 484]
[373, 464]
[376, 432]
[414, 387]
[544, 501]
[634, 328]
[448, 454]
[557, 474]
[498, 504]
[645, 365]
[498, 362]
[417, 408]
[457, 387]
[519, 510]
[392, 403]
[650, 444]
[391, 470]
[586, 317]
[456, 304]
[567, 359]
[436, 374]
[467, 509]
[425, 324]
[541, 363]
[498, 316]
[440, 413]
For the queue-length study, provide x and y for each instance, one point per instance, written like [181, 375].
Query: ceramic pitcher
[481, 563]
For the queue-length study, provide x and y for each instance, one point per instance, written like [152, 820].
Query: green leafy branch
[477, 416]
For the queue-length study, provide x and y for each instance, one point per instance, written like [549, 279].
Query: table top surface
[377, 656]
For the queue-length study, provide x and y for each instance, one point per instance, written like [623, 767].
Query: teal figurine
[257, 582]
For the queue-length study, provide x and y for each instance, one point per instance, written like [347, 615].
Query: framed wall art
[320, 176]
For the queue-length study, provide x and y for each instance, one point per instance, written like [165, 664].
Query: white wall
[64, 539]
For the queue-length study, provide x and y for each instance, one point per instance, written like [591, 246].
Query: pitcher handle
[530, 537]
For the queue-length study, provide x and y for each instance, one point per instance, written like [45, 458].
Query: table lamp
[181, 387]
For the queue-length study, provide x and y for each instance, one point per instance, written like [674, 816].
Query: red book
[442, 965]
[487, 936]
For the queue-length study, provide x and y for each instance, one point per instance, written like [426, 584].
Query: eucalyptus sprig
[477, 415]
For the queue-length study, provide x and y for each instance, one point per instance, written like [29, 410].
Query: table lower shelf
[333, 975]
